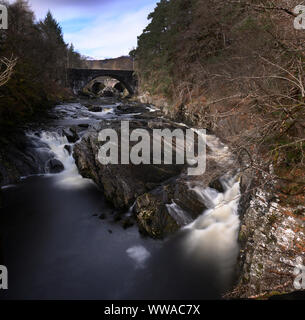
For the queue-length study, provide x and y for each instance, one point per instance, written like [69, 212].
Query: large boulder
[19, 156]
[95, 108]
[165, 209]
[71, 134]
[175, 203]
[122, 184]
[163, 195]
[55, 166]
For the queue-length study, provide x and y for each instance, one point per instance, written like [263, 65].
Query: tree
[55, 49]
[74, 58]
[40, 74]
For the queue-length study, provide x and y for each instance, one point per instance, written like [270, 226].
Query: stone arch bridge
[79, 78]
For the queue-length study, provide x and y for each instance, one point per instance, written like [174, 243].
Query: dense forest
[236, 67]
[34, 58]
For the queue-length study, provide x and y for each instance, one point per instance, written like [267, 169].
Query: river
[57, 247]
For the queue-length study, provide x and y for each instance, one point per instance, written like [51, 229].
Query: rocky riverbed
[197, 215]
[207, 215]
[149, 189]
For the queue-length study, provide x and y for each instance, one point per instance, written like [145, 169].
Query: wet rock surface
[121, 183]
[153, 208]
[95, 108]
[18, 157]
[71, 134]
[154, 189]
[271, 238]
[55, 166]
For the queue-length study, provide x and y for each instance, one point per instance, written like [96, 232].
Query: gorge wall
[238, 75]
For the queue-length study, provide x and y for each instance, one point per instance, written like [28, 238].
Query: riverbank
[272, 228]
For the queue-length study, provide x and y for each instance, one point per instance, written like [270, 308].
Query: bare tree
[6, 69]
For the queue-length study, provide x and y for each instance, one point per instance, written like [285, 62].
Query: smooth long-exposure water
[56, 247]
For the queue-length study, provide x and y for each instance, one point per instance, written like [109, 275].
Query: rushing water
[56, 247]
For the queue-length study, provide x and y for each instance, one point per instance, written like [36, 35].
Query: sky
[98, 28]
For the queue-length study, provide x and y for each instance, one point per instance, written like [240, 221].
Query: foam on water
[70, 176]
[139, 254]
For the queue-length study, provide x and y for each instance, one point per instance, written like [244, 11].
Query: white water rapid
[56, 142]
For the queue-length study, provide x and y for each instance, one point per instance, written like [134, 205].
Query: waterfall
[214, 233]
[212, 237]
[179, 215]
[54, 145]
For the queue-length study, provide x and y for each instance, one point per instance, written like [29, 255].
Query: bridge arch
[120, 79]
[79, 78]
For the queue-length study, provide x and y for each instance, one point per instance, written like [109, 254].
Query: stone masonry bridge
[79, 78]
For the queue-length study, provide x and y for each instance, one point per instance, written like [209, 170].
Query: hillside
[121, 63]
[233, 67]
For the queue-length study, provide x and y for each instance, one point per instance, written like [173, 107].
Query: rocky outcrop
[55, 166]
[271, 238]
[95, 108]
[17, 157]
[71, 134]
[121, 183]
[161, 193]
[271, 234]
[165, 209]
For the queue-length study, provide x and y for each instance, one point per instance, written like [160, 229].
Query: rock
[68, 148]
[71, 135]
[84, 125]
[87, 105]
[131, 109]
[164, 199]
[102, 216]
[216, 184]
[268, 238]
[18, 157]
[164, 210]
[153, 217]
[127, 223]
[55, 166]
[95, 108]
[121, 183]
[117, 217]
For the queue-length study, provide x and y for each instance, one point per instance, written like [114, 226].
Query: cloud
[67, 9]
[110, 36]
[98, 28]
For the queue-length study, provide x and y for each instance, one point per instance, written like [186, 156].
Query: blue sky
[98, 28]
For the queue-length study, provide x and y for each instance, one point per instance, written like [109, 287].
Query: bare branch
[6, 69]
